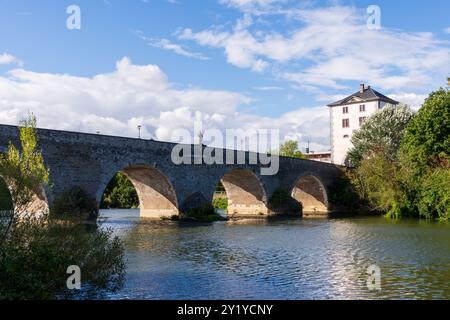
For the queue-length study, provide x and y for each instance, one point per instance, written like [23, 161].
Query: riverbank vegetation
[401, 160]
[36, 248]
[205, 213]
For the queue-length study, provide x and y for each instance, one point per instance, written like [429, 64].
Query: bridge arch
[245, 193]
[38, 204]
[311, 193]
[157, 197]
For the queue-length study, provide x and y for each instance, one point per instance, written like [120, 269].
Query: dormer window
[345, 110]
[362, 108]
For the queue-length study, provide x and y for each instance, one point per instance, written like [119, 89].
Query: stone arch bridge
[90, 161]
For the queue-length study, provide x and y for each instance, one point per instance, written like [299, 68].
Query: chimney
[361, 87]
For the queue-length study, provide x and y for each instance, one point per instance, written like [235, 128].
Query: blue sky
[240, 63]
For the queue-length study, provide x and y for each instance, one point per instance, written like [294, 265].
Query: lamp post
[139, 131]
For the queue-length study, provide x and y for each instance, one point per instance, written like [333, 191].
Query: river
[282, 259]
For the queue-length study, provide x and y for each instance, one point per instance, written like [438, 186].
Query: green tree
[36, 250]
[424, 157]
[120, 193]
[434, 196]
[290, 149]
[35, 258]
[24, 172]
[379, 182]
[428, 134]
[414, 180]
[374, 156]
[381, 134]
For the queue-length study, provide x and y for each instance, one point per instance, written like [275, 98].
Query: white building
[322, 156]
[347, 115]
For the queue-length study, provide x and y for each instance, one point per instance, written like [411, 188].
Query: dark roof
[368, 94]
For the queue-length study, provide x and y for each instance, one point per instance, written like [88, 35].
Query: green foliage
[24, 171]
[36, 250]
[428, 134]
[290, 149]
[414, 181]
[282, 202]
[424, 157]
[434, 197]
[343, 194]
[382, 134]
[34, 261]
[75, 204]
[5, 198]
[205, 213]
[381, 183]
[120, 193]
[220, 203]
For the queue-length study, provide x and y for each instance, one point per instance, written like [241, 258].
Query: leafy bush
[380, 181]
[34, 260]
[428, 134]
[402, 165]
[434, 197]
[205, 213]
[36, 250]
[220, 203]
[343, 194]
[424, 157]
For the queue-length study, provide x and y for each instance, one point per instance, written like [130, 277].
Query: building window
[362, 120]
[362, 108]
[345, 123]
[345, 110]
[346, 136]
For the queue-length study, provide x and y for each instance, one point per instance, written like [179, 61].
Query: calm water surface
[283, 259]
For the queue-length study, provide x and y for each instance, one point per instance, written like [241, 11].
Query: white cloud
[252, 6]
[7, 58]
[414, 100]
[447, 30]
[267, 88]
[331, 46]
[178, 49]
[239, 46]
[168, 45]
[116, 102]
